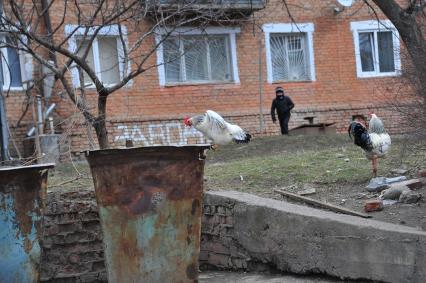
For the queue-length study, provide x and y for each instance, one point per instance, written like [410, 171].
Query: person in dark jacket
[282, 105]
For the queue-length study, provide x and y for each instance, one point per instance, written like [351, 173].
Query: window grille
[289, 57]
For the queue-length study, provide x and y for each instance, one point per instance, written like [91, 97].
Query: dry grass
[296, 160]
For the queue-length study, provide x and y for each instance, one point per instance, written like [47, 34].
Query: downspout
[48, 24]
[4, 135]
[261, 120]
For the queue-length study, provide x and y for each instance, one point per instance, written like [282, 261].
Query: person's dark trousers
[284, 124]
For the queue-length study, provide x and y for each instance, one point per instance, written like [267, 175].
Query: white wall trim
[375, 25]
[307, 28]
[234, 60]
[160, 61]
[111, 30]
[231, 31]
[288, 27]
[372, 25]
[197, 30]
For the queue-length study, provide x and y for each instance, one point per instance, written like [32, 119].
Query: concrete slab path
[234, 277]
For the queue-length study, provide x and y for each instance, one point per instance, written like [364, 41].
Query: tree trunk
[411, 34]
[100, 123]
[408, 22]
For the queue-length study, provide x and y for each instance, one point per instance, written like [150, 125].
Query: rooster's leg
[214, 146]
[374, 162]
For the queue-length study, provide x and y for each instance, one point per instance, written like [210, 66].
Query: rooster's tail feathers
[350, 130]
[245, 140]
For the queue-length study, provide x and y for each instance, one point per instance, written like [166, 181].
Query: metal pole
[46, 114]
[37, 137]
[39, 115]
[4, 135]
[261, 122]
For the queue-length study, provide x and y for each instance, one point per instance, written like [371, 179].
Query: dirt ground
[332, 164]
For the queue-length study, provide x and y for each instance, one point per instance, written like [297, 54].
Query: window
[288, 56]
[10, 64]
[102, 58]
[193, 56]
[197, 58]
[289, 52]
[376, 48]
[105, 56]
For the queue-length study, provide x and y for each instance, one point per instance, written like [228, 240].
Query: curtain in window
[89, 59]
[366, 50]
[219, 59]
[14, 64]
[386, 52]
[195, 56]
[172, 59]
[110, 71]
[288, 57]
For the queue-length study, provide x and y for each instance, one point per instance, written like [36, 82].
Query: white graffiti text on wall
[159, 134]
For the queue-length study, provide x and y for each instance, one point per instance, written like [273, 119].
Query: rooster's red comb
[186, 120]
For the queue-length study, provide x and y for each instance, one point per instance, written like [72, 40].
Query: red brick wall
[334, 97]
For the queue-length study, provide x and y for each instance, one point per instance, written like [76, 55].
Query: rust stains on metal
[195, 206]
[22, 192]
[150, 208]
[192, 271]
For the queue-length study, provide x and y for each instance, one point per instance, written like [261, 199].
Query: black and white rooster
[375, 141]
[214, 127]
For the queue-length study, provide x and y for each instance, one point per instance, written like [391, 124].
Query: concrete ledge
[303, 240]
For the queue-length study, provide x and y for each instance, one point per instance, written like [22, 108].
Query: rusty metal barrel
[22, 194]
[150, 203]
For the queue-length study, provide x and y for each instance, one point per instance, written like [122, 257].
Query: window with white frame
[105, 55]
[289, 52]
[102, 58]
[10, 64]
[192, 56]
[376, 48]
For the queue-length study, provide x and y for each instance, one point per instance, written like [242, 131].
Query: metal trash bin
[22, 194]
[150, 205]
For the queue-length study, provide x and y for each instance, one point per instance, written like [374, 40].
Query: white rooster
[214, 127]
[376, 141]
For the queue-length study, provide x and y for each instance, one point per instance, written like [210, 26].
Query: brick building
[333, 61]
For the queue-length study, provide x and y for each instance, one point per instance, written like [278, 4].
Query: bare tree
[409, 18]
[65, 45]
[410, 21]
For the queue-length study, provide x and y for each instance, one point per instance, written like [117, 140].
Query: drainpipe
[48, 25]
[4, 135]
[39, 115]
[261, 121]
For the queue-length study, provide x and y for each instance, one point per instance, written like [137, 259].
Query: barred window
[197, 58]
[289, 57]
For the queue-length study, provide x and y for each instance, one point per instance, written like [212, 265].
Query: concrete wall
[245, 232]
[294, 238]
